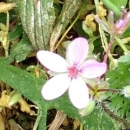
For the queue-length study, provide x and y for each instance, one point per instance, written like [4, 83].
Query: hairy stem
[108, 50]
[117, 118]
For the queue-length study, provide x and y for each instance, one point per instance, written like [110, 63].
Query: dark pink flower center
[73, 72]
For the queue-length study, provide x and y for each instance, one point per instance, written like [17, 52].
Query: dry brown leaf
[89, 21]
[25, 107]
[4, 100]
[13, 125]
[2, 124]
[4, 7]
[101, 10]
[76, 124]
[65, 122]
[59, 118]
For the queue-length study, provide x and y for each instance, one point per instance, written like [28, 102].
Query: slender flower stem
[38, 119]
[108, 50]
[96, 4]
[7, 22]
[6, 46]
[122, 45]
[117, 118]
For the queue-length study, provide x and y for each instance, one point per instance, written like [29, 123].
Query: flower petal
[52, 61]
[78, 93]
[77, 51]
[92, 69]
[56, 86]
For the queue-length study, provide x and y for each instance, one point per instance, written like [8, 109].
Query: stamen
[73, 72]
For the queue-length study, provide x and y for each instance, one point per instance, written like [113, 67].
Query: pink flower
[69, 73]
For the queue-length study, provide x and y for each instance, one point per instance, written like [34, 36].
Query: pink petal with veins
[56, 86]
[92, 69]
[52, 61]
[78, 93]
[77, 51]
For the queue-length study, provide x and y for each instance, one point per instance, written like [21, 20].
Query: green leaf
[20, 50]
[118, 79]
[38, 19]
[113, 8]
[87, 30]
[27, 84]
[3, 16]
[16, 32]
[124, 58]
[119, 3]
[68, 11]
[98, 119]
[80, 29]
[22, 81]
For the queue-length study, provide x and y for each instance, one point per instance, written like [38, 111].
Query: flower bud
[122, 24]
[115, 28]
[14, 98]
[88, 109]
[126, 91]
